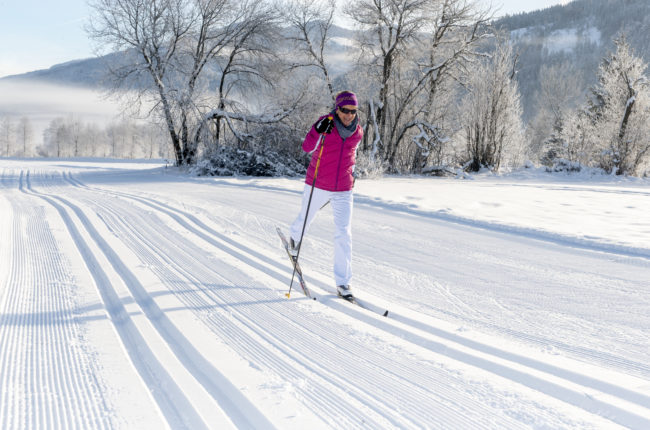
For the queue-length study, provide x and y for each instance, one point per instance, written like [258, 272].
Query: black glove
[325, 125]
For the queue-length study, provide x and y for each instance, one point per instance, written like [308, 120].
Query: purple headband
[346, 98]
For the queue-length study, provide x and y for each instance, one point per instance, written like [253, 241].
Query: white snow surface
[135, 296]
[563, 40]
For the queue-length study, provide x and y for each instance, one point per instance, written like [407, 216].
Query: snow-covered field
[132, 296]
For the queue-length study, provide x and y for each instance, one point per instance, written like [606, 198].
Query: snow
[135, 296]
[343, 41]
[567, 39]
[564, 40]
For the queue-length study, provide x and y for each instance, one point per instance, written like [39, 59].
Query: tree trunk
[620, 163]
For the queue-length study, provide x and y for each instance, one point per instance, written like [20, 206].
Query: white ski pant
[341, 202]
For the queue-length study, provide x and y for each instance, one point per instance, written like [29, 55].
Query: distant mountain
[579, 33]
[94, 72]
[87, 73]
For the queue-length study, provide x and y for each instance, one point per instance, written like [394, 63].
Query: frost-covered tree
[613, 131]
[6, 135]
[492, 111]
[457, 34]
[74, 127]
[621, 108]
[310, 25]
[172, 45]
[94, 140]
[408, 49]
[25, 136]
[389, 27]
[570, 146]
[55, 139]
[72, 137]
[560, 90]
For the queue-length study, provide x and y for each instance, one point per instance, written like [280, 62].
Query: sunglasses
[344, 110]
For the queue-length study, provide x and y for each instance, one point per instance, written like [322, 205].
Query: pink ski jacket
[335, 172]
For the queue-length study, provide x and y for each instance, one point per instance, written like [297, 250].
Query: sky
[37, 34]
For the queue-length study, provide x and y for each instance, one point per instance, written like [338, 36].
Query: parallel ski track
[572, 393]
[172, 402]
[640, 369]
[636, 368]
[57, 386]
[606, 359]
[428, 403]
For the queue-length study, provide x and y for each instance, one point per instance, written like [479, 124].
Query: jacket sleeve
[311, 140]
[310, 144]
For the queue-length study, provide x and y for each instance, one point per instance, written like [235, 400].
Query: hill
[578, 35]
[87, 72]
[94, 73]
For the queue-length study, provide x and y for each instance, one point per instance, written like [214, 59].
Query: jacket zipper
[338, 168]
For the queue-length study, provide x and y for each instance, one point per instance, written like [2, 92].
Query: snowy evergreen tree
[571, 146]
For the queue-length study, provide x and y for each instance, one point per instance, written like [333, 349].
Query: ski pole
[311, 193]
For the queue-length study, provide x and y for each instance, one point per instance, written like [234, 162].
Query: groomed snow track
[197, 307]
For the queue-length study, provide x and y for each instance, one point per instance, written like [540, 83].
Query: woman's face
[346, 118]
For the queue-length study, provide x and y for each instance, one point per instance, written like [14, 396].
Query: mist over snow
[41, 102]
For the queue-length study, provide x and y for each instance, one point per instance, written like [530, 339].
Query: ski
[294, 263]
[301, 280]
[350, 299]
[364, 305]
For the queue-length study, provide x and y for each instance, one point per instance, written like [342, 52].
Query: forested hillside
[575, 37]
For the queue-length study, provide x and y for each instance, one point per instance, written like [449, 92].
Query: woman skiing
[333, 142]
